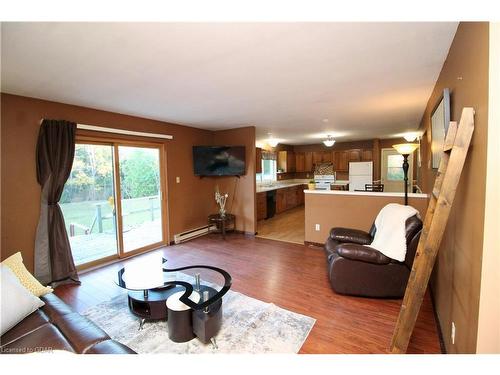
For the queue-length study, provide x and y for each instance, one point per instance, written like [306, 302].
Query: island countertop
[367, 193]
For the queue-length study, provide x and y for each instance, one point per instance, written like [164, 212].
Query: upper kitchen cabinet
[341, 161]
[286, 161]
[367, 155]
[354, 155]
[300, 162]
[322, 157]
[308, 162]
[258, 160]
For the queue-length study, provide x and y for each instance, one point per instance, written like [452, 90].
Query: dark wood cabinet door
[354, 155]
[341, 161]
[300, 194]
[326, 157]
[280, 200]
[290, 162]
[300, 162]
[261, 206]
[258, 160]
[291, 197]
[308, 162]
[317, 157]
[367, 155]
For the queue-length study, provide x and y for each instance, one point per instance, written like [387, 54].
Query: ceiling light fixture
[271, 141]
[329, 141]
[410, 137]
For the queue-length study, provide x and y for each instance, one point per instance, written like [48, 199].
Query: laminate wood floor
[287, 226]
[291, 276]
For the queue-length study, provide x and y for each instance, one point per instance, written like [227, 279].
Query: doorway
[113, 202]
[392, 174]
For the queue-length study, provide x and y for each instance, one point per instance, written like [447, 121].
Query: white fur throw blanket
[390, 237]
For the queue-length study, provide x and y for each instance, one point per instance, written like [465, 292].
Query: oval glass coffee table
[149, 287]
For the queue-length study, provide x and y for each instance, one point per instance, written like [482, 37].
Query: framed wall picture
[440, 120]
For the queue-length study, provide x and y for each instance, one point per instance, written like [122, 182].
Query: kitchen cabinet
[308, 162]
[258, 160]
[317, 157]
[280, 200]
[300, 162]
[341, 161]
[322, 157]
[300, 194]
[290, 161]
[286, 161]
[261, 206]
[289, 197]
[354, 155]
[367, 155]
[327, 157]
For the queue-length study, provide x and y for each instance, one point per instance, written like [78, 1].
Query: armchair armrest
[350, 235]
[362, 253]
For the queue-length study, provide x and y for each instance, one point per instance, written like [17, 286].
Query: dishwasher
[271, 203]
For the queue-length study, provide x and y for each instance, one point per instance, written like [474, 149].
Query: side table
[223, 223]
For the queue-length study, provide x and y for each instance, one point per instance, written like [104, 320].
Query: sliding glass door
[113, 202]
[140, 187]
[87, 206]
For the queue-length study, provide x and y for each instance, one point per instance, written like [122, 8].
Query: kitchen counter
[367, 193]
[285, 184]
[279, 185]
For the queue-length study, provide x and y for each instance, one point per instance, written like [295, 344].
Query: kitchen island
[325, 209]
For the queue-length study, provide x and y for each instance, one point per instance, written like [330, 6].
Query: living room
[153, 216]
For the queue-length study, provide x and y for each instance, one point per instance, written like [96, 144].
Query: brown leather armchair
[358, 270]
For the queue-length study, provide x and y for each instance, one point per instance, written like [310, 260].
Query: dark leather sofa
[354, 269]
[56, 327]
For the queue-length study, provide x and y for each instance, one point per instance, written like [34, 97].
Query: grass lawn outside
[135, 212]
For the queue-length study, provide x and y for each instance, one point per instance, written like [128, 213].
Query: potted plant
[311, 185]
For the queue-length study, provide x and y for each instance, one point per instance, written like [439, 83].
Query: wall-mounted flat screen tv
[219, 160]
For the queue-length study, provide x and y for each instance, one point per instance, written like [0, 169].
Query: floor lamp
[405, 149]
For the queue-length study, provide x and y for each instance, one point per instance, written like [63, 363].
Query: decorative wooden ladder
[452, 162]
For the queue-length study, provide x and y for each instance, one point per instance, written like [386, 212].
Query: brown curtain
[54, 158]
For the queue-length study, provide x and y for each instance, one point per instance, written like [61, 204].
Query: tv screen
[219, 160]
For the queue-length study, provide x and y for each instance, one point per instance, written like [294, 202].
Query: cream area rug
[248, 326]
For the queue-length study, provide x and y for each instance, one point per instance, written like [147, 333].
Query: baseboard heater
[193, 233]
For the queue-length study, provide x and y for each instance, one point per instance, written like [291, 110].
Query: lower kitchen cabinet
[288, 198]
[261, 206]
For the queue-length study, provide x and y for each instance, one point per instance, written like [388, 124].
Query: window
[395, 167]
[268, 170]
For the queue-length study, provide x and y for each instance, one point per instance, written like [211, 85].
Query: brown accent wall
[349, 211]
[457, 273]
[189, 202]
[240, 189]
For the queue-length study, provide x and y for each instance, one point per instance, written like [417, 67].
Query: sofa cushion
[80, 331]
[45, 338]
[350, 235]
[109, 347]
[17, 301]
[27, 325]
[362, 253]
[15, 263]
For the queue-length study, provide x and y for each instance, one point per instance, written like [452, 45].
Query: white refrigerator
[360, 173]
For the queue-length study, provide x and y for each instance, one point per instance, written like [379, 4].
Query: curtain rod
[122, 131]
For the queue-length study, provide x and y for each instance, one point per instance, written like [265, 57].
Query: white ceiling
[368, 79]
